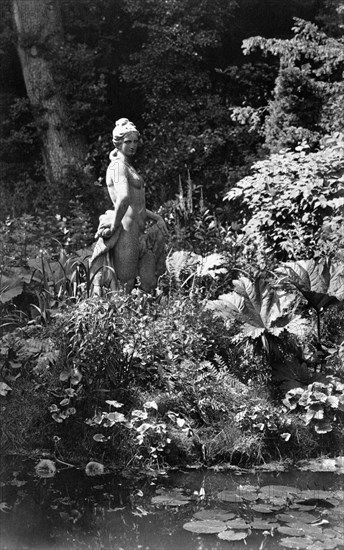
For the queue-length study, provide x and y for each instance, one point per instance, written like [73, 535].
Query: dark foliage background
[240, 109]
[178, 70]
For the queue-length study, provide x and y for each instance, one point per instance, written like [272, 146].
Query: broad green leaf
[12, 284]
[320, 283]
[10, 291]
[257, 305]
[229, 305]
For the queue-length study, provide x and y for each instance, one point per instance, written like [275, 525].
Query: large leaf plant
[320, 283]
[266, 316]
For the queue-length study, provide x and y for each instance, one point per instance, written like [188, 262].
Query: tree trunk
[40, 36]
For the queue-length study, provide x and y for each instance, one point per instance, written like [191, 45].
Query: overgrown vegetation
[238, 355]
[173, 377]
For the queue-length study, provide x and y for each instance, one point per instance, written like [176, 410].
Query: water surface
[72, 511]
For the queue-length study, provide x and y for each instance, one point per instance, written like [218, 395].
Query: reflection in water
[72, 511]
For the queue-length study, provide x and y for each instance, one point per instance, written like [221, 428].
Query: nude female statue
[121, 234]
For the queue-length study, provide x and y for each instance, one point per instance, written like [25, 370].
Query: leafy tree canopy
[291, 202]
[309, 89]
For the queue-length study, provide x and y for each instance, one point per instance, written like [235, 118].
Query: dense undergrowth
[236, 358]
[175, 378]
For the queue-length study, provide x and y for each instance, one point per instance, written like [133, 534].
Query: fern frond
[220, 361]
[182, 261]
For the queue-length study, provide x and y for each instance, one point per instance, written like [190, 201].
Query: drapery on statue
[124, 250]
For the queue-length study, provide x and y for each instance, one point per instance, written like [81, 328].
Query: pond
[203, 509]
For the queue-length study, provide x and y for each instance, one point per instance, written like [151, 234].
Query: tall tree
[307, 99]
[39, 38]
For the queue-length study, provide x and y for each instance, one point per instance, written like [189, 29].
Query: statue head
[123, 127]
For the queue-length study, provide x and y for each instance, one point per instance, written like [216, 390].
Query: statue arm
[159, 221]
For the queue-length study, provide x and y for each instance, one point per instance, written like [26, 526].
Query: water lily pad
[328, 544]
[230, 496]
[335, 533]
[322, 498]
[336, 514]
[279, 502]
[250, 497]
[208, 526]
[262, 525]
[292, 531]
[248, 492]
[237, 524]
[173, 498]
[233, 535]
[264, 508]
[295, 515]
[303, 507]
[300, 530]
[248, 488]
[220, 515]
[296, 542]
[278, 494]
[318, 496]
[278, 490]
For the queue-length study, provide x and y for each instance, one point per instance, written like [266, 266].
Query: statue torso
[136, 212]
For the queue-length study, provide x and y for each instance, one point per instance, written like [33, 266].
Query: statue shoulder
[116, 169]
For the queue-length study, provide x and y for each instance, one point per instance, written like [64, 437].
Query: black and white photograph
[171, 274]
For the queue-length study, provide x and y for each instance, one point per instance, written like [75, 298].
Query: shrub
[286, 204]
[322, 403]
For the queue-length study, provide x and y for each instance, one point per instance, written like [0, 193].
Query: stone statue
[124, 249]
